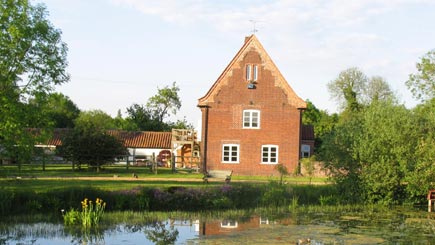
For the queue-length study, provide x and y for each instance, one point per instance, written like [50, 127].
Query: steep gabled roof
[252, 43]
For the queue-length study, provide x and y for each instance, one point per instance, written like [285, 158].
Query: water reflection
[318, 228]
[160, 234]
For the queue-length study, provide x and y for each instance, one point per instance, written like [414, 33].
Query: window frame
[255, 73]
[230, 155]
[248, 71]
[305, 151]
[269, 154]
[250, 119]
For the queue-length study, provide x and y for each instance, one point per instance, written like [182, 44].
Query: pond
[315, 225]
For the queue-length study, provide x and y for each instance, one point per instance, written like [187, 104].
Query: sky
[122, 51]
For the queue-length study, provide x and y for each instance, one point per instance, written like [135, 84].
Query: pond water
[304, 226]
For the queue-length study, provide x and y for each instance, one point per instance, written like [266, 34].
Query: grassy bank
[65, 170]
[179, 197]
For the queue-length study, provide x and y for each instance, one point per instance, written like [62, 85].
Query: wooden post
[429, 206]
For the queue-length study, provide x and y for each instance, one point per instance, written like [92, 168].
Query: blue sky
[120, 51]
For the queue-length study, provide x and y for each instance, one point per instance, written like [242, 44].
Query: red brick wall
[279, 122]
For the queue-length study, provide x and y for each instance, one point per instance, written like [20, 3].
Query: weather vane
[254, 22]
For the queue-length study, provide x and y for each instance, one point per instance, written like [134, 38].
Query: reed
[89, 216]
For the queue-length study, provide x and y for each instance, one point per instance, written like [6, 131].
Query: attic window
[251, 73]
[255, 71]
[248, 72]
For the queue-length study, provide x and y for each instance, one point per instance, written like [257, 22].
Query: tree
[385, 149]
[422, 83]
[308, 165]
[166, 100]
[92, 147]
[348, 88]
[144, 118]
[282, 170]
[378, 90]
[32, 61]
[420, 177]
[371, 152]
[322, 122]
[59, 109]
[95, 120]
[340, 159]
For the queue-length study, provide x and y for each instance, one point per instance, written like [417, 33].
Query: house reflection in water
[227, 226]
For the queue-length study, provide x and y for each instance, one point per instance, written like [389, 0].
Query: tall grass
[172, 198]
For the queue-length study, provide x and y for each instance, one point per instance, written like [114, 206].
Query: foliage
[420, 177]
[276, 195]
[282, 170]
[348, 88]
[61, 110]
[89, 216]
[322, 122]
[340, 159]
[372, 152]
[32, 61]
[354, 90]
[165, 101]
[144, 119]
[422, 83]
[377, 90]
[308, 165]
[91, 147]
[160, 235]
[95, 120]
[175, 198]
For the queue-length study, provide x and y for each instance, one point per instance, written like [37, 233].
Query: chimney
[247, 38]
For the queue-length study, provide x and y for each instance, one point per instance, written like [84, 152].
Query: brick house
[251, 117]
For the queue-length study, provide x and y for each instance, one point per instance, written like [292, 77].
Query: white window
[255, 71]
[229, 224]
[306, 150]
[251, 119]
[230, 153]
[248, 72]
[269, 154]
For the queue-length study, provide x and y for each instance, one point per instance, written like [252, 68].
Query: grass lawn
[59, 176]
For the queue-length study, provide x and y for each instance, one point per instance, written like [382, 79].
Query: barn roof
[130, 139]
[143, 139]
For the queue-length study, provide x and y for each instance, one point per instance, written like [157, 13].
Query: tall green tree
[354, 90]
[32, 60]
[348, 88]
[385, 149]
[372, 152]
[378, 89]
[422, 83]
[421, 176]
[166, 101]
